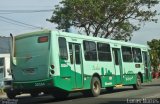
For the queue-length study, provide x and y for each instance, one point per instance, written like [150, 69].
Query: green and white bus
[58, 63]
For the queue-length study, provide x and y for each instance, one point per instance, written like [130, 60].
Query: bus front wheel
[95, 86]
[138, 84]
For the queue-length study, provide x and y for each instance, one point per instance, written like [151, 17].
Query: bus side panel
[104, 69]
[129, 79]
[64, 84]
[62, 77]
[90, 67]
[107, 74]
[129, 73]
[108, 80]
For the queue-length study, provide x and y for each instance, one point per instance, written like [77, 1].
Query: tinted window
[127, 54]
[77, 54]
[146, 59]
[71, 52]
[90, 52]
[62, 48]
[104, 53]
[137, 57]
[115, 55]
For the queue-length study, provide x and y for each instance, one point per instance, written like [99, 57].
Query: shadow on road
[49, 99]
[46, 99]
[152, 85]
[116, 90]
[114, 102]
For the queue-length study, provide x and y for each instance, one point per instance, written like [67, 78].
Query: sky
[147, 32]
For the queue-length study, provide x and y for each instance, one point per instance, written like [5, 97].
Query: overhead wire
[15, 21]
[23, 11]
[18, 23]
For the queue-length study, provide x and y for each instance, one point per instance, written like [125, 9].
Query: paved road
[120, 96]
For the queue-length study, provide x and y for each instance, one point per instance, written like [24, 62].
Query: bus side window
[145, 59]
[71, 52]
[137, 57]
[77, 54]
[62, 48]
[90, 51]
[104, 52]
[127, 54]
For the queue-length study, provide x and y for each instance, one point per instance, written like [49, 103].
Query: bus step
[119, 85]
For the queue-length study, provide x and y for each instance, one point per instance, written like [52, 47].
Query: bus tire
[60, 95]
[138, 84]
[109, 89]
[11, 95]
[95, 87]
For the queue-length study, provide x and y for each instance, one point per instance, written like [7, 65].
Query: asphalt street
[149, 94]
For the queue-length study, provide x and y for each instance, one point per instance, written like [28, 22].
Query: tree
[155, 52]
[114, 19]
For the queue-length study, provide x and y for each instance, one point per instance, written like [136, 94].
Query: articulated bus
[58, 63]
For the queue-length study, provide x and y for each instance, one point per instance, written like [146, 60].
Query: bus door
[76, 64]
[118, 64]
[146, 63]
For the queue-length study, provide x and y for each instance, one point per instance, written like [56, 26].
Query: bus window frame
[89, 50]
[61, 56]
[107, 52]
[131, 54]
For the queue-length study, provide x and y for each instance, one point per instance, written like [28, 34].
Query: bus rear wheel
[138, 84]
[95, 86]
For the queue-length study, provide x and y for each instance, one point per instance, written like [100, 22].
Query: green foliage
[155, 52]
[115, 19]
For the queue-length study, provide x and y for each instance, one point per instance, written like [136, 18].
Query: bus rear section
[30, 63]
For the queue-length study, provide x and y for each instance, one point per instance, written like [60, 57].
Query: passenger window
[137, 57]
[146, 58]
[62, 48]
[90, 51]
[71, 52]
[127, 54]
[77, 54]
[104, 53]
